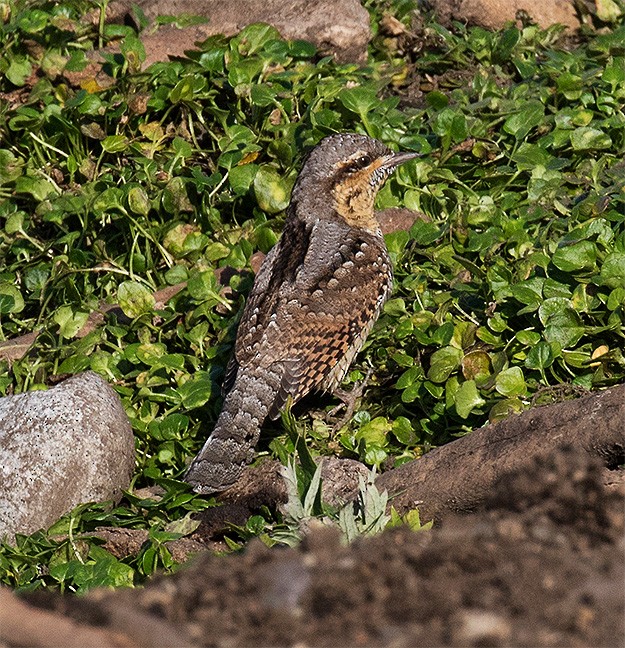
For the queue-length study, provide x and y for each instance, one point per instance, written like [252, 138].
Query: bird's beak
[395, 159]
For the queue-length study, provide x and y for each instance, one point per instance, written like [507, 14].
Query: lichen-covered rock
[59, 448]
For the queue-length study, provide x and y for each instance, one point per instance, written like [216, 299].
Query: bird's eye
[359, 163]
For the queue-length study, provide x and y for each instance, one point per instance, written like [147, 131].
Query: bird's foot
[348, 398]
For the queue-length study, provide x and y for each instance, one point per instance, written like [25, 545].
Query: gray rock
[60, 448]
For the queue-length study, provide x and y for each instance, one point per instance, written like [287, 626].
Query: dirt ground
[540, 564]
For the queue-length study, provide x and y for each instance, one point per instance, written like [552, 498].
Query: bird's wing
[313, 302]
[277, 270]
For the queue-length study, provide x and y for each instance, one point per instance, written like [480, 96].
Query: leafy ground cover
[511, 291]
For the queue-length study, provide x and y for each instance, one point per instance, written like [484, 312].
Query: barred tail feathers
[230, 447]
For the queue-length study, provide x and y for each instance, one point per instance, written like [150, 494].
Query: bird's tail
[230, 447]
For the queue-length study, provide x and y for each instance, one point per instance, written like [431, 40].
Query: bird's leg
[348, 400]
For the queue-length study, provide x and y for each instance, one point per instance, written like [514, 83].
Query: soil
[539, 564]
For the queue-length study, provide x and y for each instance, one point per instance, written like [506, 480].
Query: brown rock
[398, 218]
[338, 27]
[493, 14]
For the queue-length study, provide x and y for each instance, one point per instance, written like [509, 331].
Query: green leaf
[254, 38]
[33, 21]
[184, 526]
[579, 256]
[587, 138]
[395, 307]
[553, 307]
[241, 177]
[608, 10]
[408, 377]
[196, 391]
[436, 100]
[360, 100]
[115, 143]
[138, 201]
[528, 156]
[203, 285]
[511, 382]
[467, 399]
[570, 85]
[616, 298]
[612, 272]
[271, 190]
[451, 125]
[443, 362]
[529, 338]
[402, 429]
[135, 299]
[375, 432]
[19, 70]
[425, 233]
[11, 300]
[614, 72]
[70, 321]
[540, 356]
[413, 519]
[505, 408]
[150, 353]
[521, 123]
[38, 188]
[10, 167]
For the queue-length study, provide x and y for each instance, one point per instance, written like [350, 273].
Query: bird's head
[342, 176]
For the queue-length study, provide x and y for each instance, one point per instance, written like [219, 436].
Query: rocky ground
[540, 564]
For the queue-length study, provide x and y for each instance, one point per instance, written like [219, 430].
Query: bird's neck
[354, 204]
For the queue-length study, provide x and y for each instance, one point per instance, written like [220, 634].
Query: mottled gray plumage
[316, 297]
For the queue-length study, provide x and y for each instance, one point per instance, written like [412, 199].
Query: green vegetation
[513, 289]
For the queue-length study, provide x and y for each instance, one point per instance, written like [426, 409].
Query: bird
[314, 300]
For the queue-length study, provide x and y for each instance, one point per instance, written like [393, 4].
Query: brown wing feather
[278, 270]
[310, 311]
[331, 322]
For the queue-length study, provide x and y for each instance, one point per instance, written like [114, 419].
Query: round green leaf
[135, 299]
[196, 391]
[11, 300]
[443, 362]
[10, 167]
[402, 429]
[272, 192]
[19, 70]
[138, 201]
[69, 321]
[613, 271]
[115, 143]
[511, 382]
[540, 356]
[241, 178]
[505, 408]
